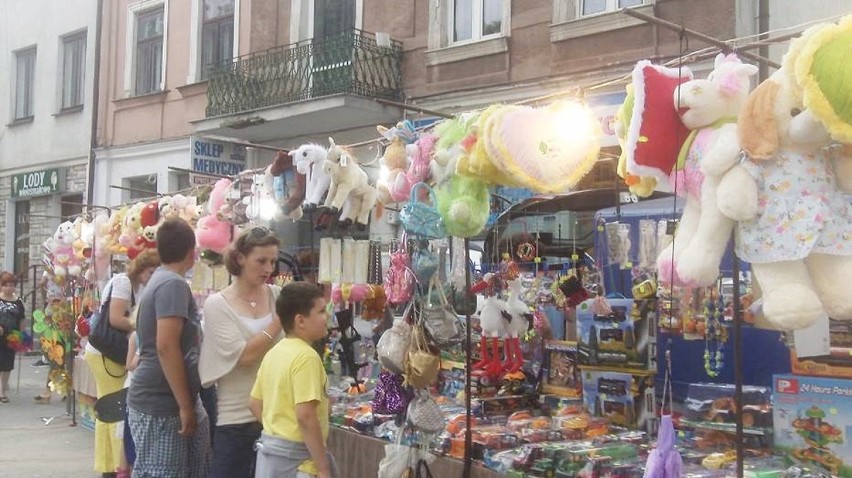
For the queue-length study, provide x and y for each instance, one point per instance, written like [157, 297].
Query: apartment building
[45, 122]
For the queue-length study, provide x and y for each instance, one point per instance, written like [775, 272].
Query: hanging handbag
[112, 407]
[393, 346]
[425, 263]
[421, 219]
[109, 341]
[424, 414]
[422, 366]
[391, 396]
[399, 281]
[440, 322]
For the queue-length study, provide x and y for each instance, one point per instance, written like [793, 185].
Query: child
[289, 396]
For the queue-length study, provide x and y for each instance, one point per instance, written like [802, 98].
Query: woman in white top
[121, 290]
[239, 328]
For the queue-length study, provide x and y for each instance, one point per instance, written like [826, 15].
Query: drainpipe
[93, 141]
[762, 28]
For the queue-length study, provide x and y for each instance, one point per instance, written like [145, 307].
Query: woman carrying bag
[110, 373]
[11, 319]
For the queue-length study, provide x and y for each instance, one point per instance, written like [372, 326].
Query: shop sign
[37, 183]
[215, 157]
[605, 107]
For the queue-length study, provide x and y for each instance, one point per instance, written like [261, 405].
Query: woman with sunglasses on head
[11, 319]
[239, 328]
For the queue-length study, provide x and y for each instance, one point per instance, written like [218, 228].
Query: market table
[358, 456]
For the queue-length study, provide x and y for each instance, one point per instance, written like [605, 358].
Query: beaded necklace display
[715, 337]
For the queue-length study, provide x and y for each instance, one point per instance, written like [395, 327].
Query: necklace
[715, 333]
[252, 303]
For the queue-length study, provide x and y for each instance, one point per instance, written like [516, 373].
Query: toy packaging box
[813, 422]
[561, 372]
[838, 364]
[713, 405]
[625, 399]
[625, 338]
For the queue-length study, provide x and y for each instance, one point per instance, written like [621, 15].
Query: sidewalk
[28, 447]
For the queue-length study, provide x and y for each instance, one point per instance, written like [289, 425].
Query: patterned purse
[399, 280]
[424, 414]
[421, 219]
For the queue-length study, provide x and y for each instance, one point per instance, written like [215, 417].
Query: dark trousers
[208, 401]
[233, 450]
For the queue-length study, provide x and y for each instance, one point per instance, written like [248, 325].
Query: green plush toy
[464, 203]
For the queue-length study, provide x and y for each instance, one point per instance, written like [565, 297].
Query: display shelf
[725, 427]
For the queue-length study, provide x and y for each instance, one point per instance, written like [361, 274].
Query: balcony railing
[348, 62]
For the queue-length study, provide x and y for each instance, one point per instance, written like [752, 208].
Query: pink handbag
[399, 280]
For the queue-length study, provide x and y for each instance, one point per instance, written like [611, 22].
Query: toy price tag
[575, 257]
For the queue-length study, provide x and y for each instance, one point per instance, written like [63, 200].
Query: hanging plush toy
[799, 243]
[288, 187]
[392, 187]
[348, 181]
[518, 320]
[308, 160]
[464, 203]
[642, 186]
[448, 148]
[213, 233]
[709, 108]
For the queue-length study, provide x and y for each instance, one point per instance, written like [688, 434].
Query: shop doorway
[22, 238]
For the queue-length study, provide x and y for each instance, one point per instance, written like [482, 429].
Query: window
[217, 33]
[73, 69]
[592, 7]
[22, 237]
[149, 51]
[140, 187]
[473, 20]
[25, 62]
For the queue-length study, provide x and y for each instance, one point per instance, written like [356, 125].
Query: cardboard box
[837, 365]
[625, 338]
[561, 374]
[813, 422]
[625, 399]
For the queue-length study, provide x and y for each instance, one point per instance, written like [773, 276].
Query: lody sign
[215, 157]
[37, 183]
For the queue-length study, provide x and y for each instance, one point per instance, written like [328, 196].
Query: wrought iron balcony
[348, 62]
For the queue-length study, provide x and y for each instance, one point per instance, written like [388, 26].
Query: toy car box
[713, 405]
[625, 338]
[813, 422]
[625, 399]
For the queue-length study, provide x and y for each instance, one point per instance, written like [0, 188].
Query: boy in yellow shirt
[289, 396]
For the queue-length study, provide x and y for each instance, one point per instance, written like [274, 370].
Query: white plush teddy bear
[799, 242]
[709, 108]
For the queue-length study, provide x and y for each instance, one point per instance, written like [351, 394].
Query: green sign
[37, 183]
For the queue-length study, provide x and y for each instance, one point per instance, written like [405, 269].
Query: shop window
[217, 33]
[594, 7]
[140, 187]
[472, 20]
[73, 69]
[25, 63]
[72, 206]
[22, 237]
[150, 29]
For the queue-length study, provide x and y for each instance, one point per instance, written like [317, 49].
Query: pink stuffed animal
[212, 233]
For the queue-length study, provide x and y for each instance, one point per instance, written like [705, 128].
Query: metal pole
[763, 28]
[468, 382]
[416, 109]
[738, 366]
[705, 38]
[93, 139]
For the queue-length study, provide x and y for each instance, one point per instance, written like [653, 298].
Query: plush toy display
[348, 181]
[212, 232]
[394, 186]
[709, 108]
[518, 320]
[308, 160]
[65, 262]
[464, 203]
[448, 147]
[799, 243]
[642, 186]
[287, 187]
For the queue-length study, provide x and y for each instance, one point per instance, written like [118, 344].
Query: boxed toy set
[813, 422]
[625, 399]
[626, 337]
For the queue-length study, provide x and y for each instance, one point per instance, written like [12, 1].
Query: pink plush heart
[548, 150]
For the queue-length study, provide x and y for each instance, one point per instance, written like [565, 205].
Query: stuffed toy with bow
[799, 242]
[709, 108]
[348, 182]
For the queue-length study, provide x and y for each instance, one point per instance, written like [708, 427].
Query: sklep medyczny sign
[215, 157]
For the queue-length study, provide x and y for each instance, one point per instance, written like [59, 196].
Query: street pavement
[33, 445]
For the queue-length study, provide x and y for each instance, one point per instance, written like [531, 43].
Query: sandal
[42, 400]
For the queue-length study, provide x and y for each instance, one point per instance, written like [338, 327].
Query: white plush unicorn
[308, 160]
[348, 181]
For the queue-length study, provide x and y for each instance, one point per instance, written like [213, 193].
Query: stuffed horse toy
[518, 320]
[348, 181]
[308, 160]
[709, 108]
[799, 243]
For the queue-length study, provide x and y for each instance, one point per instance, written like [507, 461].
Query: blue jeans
[208, 400]
[233, 450]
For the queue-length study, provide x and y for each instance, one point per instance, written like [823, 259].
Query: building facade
[46, 111]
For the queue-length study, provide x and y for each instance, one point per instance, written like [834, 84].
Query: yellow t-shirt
[291, 373]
